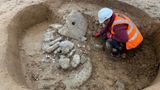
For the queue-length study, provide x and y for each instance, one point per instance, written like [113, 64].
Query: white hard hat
[104, 14]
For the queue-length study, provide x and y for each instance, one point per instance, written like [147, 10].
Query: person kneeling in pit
[119, 32]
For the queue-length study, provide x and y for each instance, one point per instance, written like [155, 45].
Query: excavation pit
[24, 54]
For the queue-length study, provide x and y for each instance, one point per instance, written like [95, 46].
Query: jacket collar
[111, 20]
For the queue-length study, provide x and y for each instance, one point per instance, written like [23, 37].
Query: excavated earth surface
[136, 72]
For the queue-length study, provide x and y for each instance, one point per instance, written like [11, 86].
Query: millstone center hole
[73, 23]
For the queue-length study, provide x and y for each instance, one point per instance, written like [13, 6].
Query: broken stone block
[75, 61]
[84, 59]
[64, 62]
[48, 36]
[75, 26]
[66, 44]
[55, 26]
[44, 46]
[57, 50]
[76, 79]
[49, 46]
[56, 40]
[52, 48]
[65, 50]
[71, 53]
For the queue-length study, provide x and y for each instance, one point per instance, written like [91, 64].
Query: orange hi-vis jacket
[134, 35]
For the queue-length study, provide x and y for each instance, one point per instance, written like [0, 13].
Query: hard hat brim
[101, 21]
[104, 14]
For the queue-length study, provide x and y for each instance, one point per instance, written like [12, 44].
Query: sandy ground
[152, 7]
[2, 1]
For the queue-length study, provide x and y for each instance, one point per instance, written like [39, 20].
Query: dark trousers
[120, 47]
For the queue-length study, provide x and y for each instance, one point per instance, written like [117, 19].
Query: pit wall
[12, 24]
[26, 18]
[11, 75]
[155, 37]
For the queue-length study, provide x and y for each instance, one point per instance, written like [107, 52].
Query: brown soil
[135, 72]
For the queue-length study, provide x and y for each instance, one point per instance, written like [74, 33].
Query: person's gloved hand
[97, 34]
[109, 35]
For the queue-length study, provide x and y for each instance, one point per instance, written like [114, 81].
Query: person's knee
[108, 44]
[109, 40]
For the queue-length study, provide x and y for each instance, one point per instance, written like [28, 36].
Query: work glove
[97, 34]
[109, 35]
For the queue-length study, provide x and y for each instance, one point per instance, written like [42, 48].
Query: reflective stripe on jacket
[134, 35]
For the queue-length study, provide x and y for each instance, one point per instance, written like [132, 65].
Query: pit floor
[135, 72]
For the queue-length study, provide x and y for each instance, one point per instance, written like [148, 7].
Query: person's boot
[108, 47]
[115, 52]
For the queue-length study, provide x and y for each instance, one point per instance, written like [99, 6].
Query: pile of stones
[60, 44]
[63, 50]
